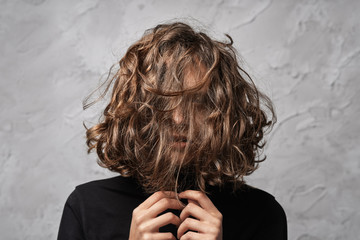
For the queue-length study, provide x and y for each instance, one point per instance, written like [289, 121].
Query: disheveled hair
[223, 127]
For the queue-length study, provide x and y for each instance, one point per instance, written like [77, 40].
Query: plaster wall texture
[304, 54]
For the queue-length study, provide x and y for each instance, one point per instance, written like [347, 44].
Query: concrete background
[305, 54]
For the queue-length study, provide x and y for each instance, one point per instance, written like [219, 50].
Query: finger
[196, 211]
[161, 236]
[201, 198]
[162, 205]
[193, 201]
[190, 224]
[192, 236]
[164, 219]
[155, 197]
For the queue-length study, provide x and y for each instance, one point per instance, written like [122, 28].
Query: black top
[102, 209]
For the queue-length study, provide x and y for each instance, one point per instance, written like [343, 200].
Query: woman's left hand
[208, 220]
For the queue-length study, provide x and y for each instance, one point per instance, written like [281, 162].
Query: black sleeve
[70, 224]
[273, 225]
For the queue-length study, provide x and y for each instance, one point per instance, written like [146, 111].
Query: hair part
[137, 130]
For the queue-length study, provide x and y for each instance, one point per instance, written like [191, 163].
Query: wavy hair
[223, 115]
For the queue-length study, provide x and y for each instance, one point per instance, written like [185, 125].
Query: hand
[145, 222]
[208, 222]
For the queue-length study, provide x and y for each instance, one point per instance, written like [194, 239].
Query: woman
[184, 125]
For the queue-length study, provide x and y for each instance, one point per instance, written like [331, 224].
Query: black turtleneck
[102, 209]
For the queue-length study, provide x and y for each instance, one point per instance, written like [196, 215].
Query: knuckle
[213, 230]
[186, 222]
[165, 201]
[169, 236]
[185, 210]
[135, 218]
[169, 216]
[158, 194]
[142, 229]
[188, 235]
[219, 216]
[168, 193]
[217, 223]
[199, 195]
[191, 205]
[138, 218]
[146, 236]
[135, 212]
[173, 217]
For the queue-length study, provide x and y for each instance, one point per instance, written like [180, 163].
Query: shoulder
[253, 203]
[268, 215]
[261, 201]
[256, 196]
[105, 190]
[117, 184]
[97, 198]
[272, 217]
[100, 206]
[250, 212]
[245, 194]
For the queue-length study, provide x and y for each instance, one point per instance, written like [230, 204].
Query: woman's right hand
[145, 222]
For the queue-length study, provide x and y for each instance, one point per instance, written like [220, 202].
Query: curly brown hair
[224, 115]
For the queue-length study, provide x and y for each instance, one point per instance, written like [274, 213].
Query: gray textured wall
[304, 54]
